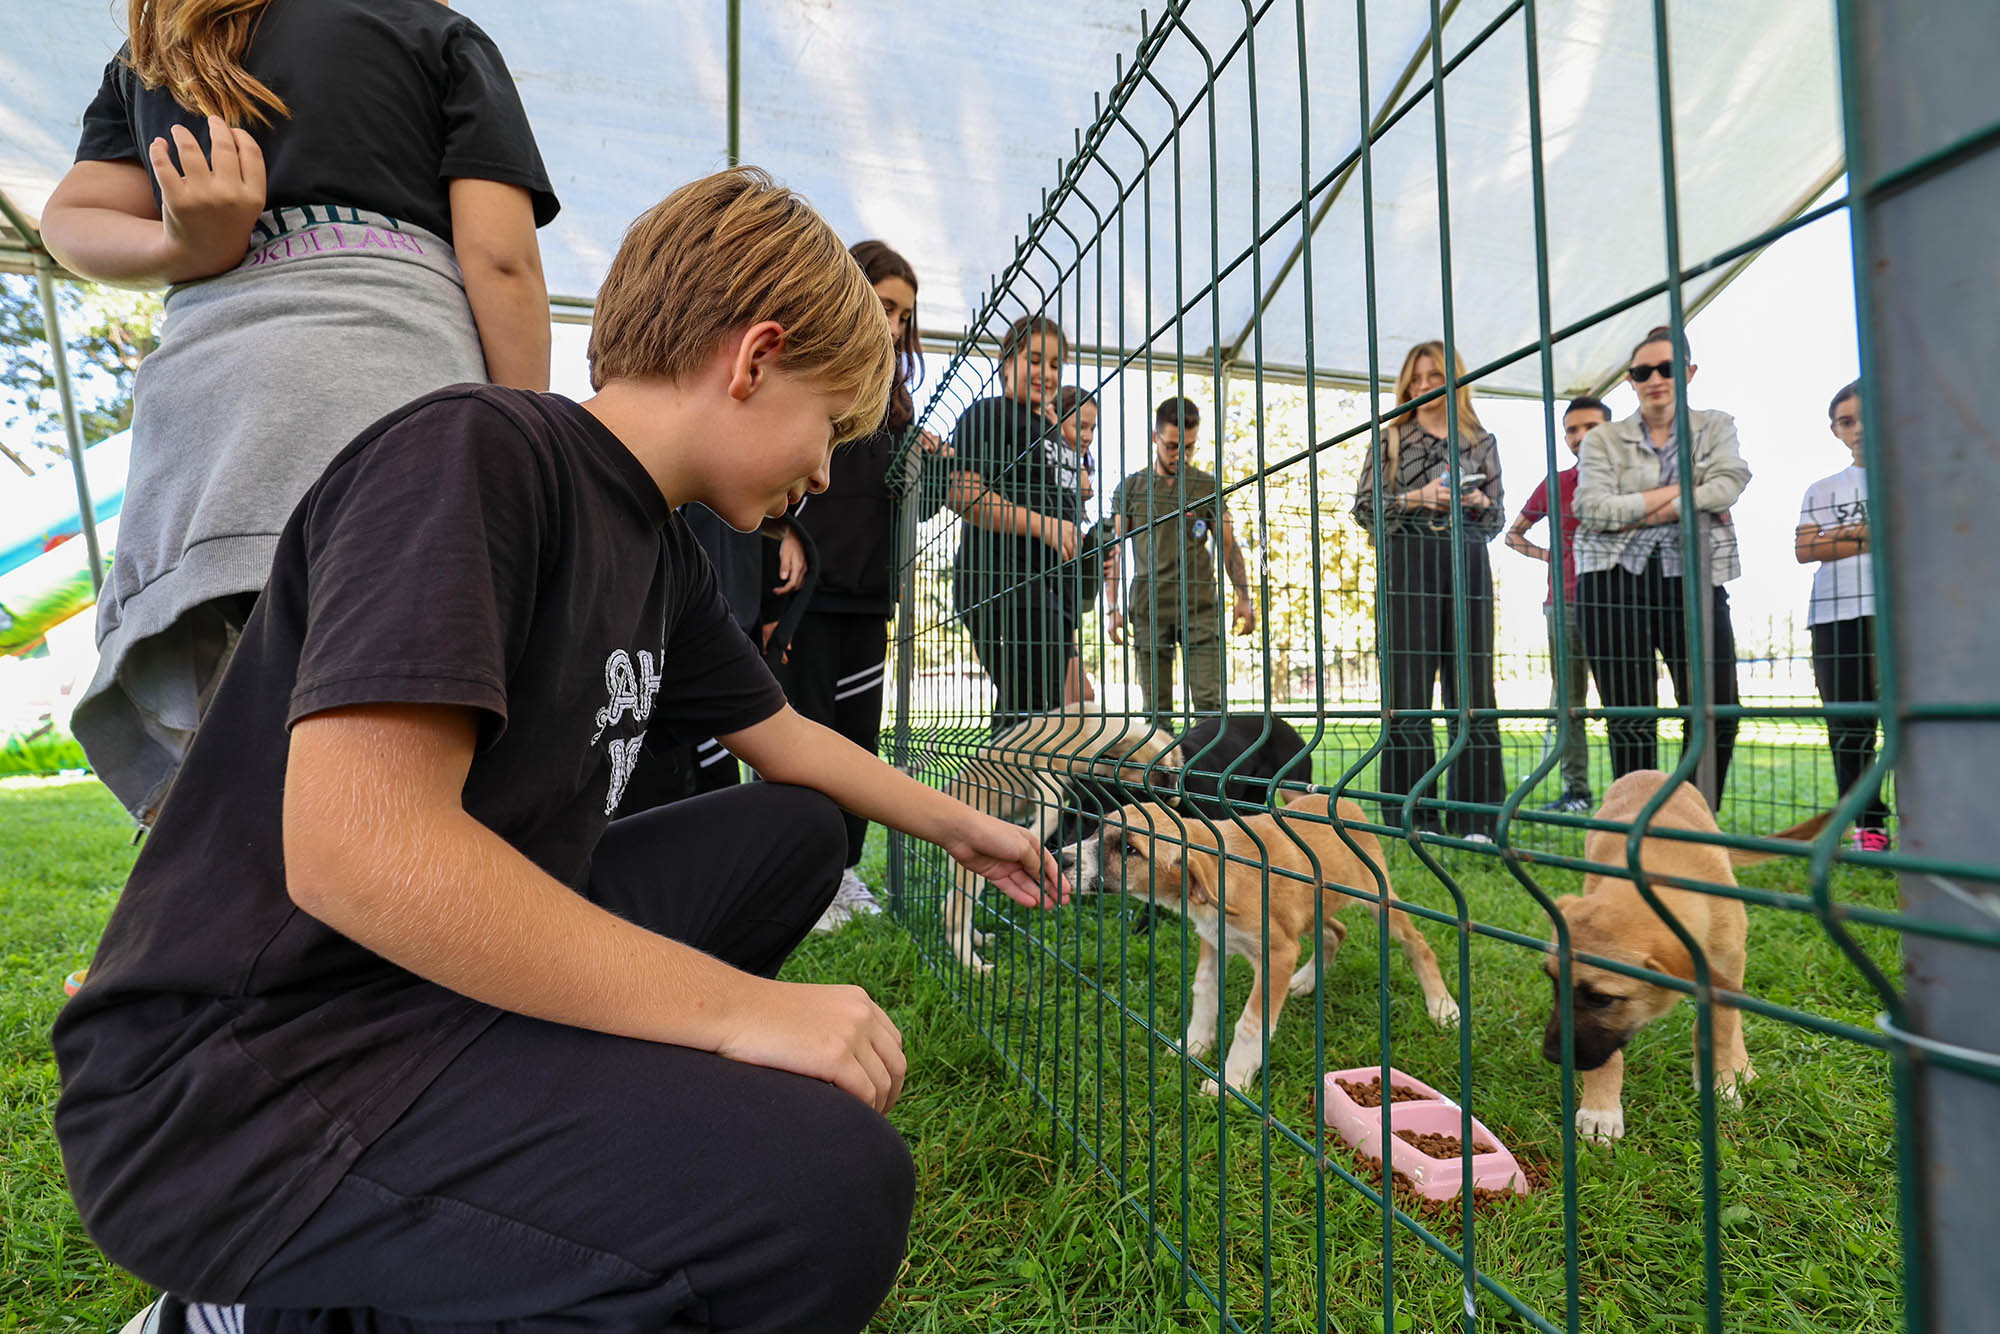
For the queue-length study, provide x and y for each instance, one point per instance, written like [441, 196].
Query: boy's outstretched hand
[1009, 856]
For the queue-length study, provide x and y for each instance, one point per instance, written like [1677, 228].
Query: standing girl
[1414, 558]
[342, 197]
[1833, 533]
[832, 671]
[1020, 525]
[1630, 565]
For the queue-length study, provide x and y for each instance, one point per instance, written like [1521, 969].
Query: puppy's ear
[1199, 874]
[1669, 956]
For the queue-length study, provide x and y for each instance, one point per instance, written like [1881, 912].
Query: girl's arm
[1723, 473]
[1598, 506]
[102, 223]
[982, 507]
[493, 231]
[786, 748]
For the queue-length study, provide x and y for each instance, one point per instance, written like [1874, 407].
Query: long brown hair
[878, 261]
[194, 49]
[1392, 438]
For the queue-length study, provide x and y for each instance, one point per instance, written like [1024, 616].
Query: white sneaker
[855, 895]
[850, 901]
[197, 1319]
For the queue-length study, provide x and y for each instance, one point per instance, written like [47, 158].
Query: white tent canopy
[938, 126]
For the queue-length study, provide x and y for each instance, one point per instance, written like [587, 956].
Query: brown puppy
[1612, 921]
[1140, 850]
[1024, 775]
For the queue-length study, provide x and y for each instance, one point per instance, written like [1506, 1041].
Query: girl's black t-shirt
[487, 548]
[1018, 453]
[853, 525]
[390, 101]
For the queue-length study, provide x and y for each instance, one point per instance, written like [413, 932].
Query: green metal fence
[1798, 1204]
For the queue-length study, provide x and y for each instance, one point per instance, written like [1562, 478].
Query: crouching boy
[395, 1026]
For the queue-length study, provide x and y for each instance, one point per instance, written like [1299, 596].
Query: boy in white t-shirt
[1833, 532]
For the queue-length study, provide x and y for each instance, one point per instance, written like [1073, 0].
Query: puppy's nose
[1552, 1043]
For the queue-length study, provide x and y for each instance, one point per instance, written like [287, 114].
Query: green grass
[1017, 1229]
[1089, 1013]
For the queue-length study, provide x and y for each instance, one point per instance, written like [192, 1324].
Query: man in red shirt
[1572, 690]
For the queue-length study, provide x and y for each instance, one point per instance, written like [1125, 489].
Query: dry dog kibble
[1370, 1093]
[1439, 1146]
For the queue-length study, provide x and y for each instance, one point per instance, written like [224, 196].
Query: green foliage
[107, 331]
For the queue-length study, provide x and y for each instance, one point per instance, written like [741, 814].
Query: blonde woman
[341, 197]
[1414, 559]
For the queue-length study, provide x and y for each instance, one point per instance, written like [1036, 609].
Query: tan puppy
[1139, 850]
[1611, 920]
[1026, 773]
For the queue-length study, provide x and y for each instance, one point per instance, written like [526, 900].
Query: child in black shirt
[394, 1027]
[1014, 577]
[341, 197]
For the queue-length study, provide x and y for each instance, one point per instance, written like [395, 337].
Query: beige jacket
[1617, 464]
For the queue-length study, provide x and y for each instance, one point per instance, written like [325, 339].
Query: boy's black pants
[833, 675]
[554, 1179]
[1629, 622]
[1422, 654]
[1844, 668]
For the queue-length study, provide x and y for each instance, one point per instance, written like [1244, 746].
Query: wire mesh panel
[1202, 586]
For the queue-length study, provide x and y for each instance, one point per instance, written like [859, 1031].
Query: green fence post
[1921, 111]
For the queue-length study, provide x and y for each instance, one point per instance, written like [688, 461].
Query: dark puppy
[1259, 761]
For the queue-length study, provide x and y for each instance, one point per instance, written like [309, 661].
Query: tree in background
[108, 332]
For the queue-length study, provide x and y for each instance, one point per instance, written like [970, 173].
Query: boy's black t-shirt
[230, 1056]
[1017, 451]
[390, 100]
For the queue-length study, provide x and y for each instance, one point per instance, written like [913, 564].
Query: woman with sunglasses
[1631, 561]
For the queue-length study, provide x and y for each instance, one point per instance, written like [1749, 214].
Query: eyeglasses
[1641, 374]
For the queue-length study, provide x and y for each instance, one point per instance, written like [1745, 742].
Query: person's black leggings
[1844, 668]
[1022, 638]
[833, 675]
[1421, 653]
[554, 1179]
[1630, 623]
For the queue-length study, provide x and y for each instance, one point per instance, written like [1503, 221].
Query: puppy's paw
[973, 963]
[1600, 1125]
[1210, 1089]
[1302, 982]
[1199, 1045]
[1729, 1084]
[981, 939]
[1443, 1010]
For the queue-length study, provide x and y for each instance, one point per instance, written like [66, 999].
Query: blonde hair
[194, 49]
[723, 253]
[1392, 436]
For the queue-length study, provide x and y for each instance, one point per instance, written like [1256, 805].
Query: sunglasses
[1641, 374]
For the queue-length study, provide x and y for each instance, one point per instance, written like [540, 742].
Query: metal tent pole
[52, 327]
[735, 78]
[1923, 142]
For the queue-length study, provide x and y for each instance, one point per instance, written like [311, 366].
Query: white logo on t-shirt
[631, 689]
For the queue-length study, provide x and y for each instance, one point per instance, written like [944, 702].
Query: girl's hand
[930, 444]
[208, 206]
[791, 562]
[1060, 534]
[1432, 495]
[1009, 857]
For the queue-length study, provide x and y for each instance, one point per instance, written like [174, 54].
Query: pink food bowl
[1421, 1111]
